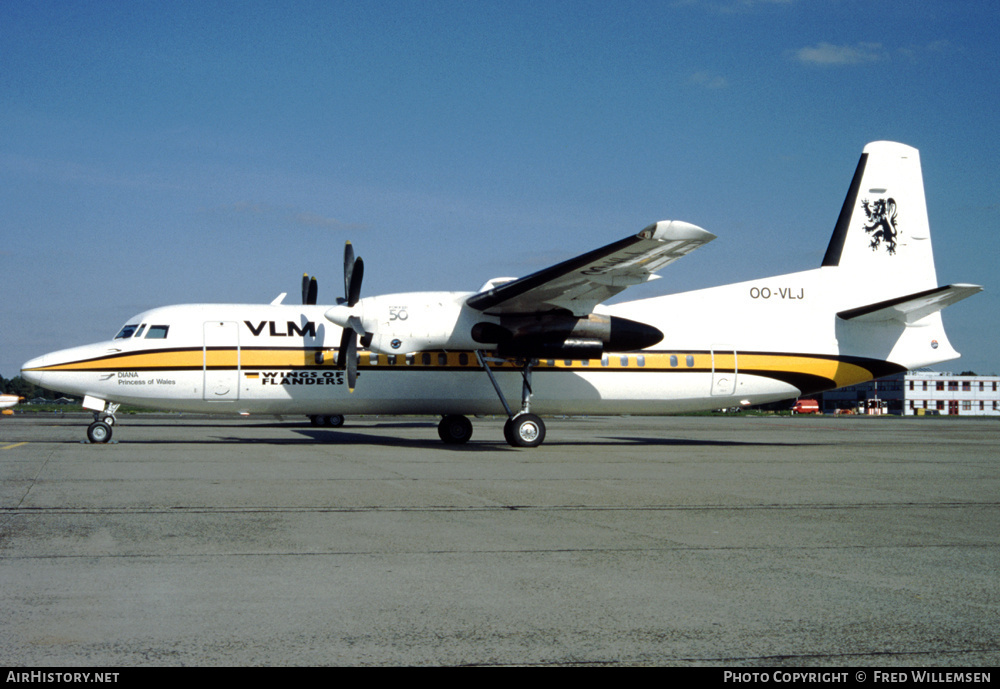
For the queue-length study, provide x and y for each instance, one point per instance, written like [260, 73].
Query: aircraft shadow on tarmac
[381, 435]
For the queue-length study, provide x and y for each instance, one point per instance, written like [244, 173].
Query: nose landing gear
[100, 431]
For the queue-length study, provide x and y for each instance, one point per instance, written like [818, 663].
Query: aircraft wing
[581, 283]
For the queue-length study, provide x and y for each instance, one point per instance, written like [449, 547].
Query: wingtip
[676, 230]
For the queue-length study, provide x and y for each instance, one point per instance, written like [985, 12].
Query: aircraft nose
[30, 369]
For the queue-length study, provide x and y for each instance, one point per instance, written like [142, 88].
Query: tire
[455, 429]
[331, 421]
[524, 430]
[99, 432]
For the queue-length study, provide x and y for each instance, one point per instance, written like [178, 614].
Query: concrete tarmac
[725, 541]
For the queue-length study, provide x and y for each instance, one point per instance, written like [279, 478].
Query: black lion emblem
[881, 223]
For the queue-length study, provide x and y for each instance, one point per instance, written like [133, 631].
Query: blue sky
[172, 152]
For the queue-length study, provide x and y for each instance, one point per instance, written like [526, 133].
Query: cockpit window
[157, 332]
[127, 332]
[138, 333]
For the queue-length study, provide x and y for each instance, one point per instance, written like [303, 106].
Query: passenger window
[442, 359]
[463, 359]
[641, 360]
[690, 361]
[425, 359]
[673, 361]
[126, 332]
[624, 361]
[157, 332]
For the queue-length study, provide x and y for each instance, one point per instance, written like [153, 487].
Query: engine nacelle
[421, 321]
[410, 322]
[564, 337]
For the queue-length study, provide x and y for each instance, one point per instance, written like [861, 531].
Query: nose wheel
[99, 432]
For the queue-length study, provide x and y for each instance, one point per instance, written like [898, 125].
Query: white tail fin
[883, 236]
[885, 276]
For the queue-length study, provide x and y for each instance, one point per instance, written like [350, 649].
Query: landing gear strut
[522, 429]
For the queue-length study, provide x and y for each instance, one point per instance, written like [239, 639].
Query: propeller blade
[352, 363]
[347, 355]
[305, 288]
[354, 287]
[348, 267]
[312, 292]
[345, 338]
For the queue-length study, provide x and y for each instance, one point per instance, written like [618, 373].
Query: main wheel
[99, 432]
[455, 429]
[332, 421]
[524, 430]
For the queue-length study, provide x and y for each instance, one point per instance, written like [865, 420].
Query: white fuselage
[747, 343]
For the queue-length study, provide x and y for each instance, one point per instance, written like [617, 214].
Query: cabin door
[724, 369]
[222, 361]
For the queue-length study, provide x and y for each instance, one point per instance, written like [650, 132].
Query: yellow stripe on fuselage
[780, 365]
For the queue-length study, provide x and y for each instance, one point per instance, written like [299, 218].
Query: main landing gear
[328, 420]
[455, 429]
[100, 431]
[522, 429]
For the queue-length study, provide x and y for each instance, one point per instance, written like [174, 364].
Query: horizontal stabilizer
[912, 307]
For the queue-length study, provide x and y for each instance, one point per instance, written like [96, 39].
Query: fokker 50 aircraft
[546, 343]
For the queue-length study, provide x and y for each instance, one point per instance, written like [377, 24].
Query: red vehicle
[806, 407]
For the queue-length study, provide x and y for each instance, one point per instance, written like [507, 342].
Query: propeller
[347, 356]
[309, 287]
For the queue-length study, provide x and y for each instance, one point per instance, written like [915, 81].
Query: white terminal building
[916, 393]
